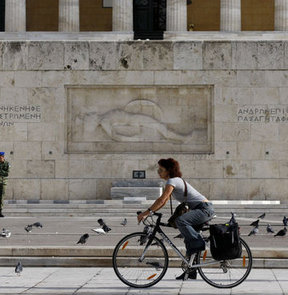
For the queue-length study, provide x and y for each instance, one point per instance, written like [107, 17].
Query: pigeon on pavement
[285, 221]
[124, 222]
[255, 223]
[83, 239]
[281, 233]
[261, 216]
[5, 233]
[37, 224]
[269, 229]
[99, 231]
[104, 225]
[254, 231]
[28, 228]
[18, 268]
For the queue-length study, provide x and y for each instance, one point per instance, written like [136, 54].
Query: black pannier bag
[225, 241]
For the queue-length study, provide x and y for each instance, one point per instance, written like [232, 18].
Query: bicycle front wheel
[225, 273]
[139, 266]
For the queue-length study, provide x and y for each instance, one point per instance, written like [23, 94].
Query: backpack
[225, 241]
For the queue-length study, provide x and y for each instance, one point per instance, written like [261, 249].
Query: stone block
[264, 132]
[270, 55]
[15, 56]
[45, 55]
[53, 150]
[40, 169]
[188, 56]
[225, 112]
[129, 56]
[7, 78]
[235, 95]
[237, 169]
[27, 150]
[167, 78]
[102, 56]
[43, 131]
[145, 193]
[265, 95]
[277, 151]
[27, 79]
[265, 169]
[76, 56]
[17, 130]
[252, 78]
[225, 150]
[53, 78]
[217, 55]
[223, 189]
[283, 132]
[14, 96]
[244, 55]
[54, 189]
[283, 169]
[157, 55]
[26, 189]
[18, 168]
[275, 78]
[82, 189]
[250, 150]
[234, 132]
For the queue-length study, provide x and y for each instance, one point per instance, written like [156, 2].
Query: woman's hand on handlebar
[142, 215]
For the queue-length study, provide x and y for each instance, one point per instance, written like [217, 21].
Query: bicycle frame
[157, 229]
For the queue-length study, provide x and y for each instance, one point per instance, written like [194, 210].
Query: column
[176, 12]
[69, 16]
[230, 15]
[123, 15]
[15, 15]
[281, 15]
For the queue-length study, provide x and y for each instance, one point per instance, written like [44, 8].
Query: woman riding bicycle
[201, 210]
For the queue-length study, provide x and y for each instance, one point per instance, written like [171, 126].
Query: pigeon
[124, 222]
[157, 265]
[285, 221]
[254, 231]
[5, 233]
[99, 231]
[232, 220]
[180, 236]
[281, 233]
[255, 223]
[83, 239]
[269, 229]
[28, 228]
[37, 224]
[104, 226]
[261, 216]
[18, 268]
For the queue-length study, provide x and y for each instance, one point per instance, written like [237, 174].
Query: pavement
[58, 281]
[50, 248]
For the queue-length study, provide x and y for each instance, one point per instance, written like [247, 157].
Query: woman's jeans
[193, 240]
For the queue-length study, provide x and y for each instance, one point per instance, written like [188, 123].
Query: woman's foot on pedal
[192, 274]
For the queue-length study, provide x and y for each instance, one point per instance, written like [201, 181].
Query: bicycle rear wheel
[136, 268]
[225, 273]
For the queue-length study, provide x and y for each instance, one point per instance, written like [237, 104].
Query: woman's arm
[159, 203]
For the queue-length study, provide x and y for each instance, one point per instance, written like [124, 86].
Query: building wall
[257, 15]
[247, 100]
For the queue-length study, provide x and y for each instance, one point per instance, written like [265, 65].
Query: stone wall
[248, 105]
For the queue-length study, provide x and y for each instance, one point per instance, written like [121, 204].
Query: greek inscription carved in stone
[10, 114]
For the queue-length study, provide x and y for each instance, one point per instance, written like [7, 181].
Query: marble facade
[238, 87]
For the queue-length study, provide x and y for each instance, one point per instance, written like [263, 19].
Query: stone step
[101, 257]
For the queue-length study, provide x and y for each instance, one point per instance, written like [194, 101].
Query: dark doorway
[149, 19]
[2, 15]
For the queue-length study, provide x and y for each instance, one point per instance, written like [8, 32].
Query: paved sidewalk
[103, 281]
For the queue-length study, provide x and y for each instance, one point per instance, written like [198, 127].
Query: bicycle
[140, 259]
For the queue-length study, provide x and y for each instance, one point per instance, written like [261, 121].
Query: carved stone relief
[139, 119]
